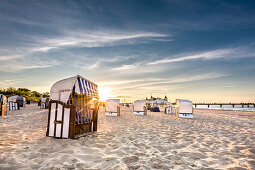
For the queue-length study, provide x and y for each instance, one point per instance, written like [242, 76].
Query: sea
[227, 107]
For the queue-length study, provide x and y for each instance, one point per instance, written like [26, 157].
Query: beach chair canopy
[13, 98]
[3, 98]
[21, 98]
[62, 89]
[43, 100]
[139, 105]
[185, 106]
[111, 105]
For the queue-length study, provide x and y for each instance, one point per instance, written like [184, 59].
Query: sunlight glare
[104, 93]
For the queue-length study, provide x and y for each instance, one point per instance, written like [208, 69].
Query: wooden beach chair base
[186, 115]
[168, 110]
[13, 106]
[63, 122]
[43, 106]
[139, 113]
[112, 114]
[83, 128]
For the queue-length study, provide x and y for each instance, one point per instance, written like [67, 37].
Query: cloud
[126, 67]
[142, 87]
[11, 82]
[210, 55]
[120, 82]
[34, 46]
[14, 65]
[95, 65]
[42, 49]
[9, 57]
[87, 38]
[206, 55]
[158, 82]
[162, 40]
[189, 78]
[22, 58]
[112, 59]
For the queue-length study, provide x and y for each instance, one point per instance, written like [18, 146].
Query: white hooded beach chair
[168, 109]
[13, 104]
[112, 107]
[140, 107]
[73, 107]
[184, 109]
[44, 103]
[3, 105]
[21, 101]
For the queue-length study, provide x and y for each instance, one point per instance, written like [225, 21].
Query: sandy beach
[214, 139]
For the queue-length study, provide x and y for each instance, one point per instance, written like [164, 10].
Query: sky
[198, 50]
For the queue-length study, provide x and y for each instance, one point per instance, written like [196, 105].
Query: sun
[104, 93]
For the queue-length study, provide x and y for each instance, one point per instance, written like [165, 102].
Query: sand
[214, 139]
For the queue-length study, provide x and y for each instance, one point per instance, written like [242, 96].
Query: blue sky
[198, 50]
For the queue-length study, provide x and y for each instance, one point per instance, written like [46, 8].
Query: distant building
[156, 101]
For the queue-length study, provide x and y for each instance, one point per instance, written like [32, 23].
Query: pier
[221, 104]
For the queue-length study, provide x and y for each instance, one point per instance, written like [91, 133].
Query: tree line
[28, 94]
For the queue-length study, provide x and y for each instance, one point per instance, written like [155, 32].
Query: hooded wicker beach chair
[112, 107]
[12, 102]
[3, 105]
[184, 109]
[140, 107]
[73, 107]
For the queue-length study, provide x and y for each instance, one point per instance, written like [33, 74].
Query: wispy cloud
[189, 78]
[69, 39]
[154, 82]
[162, 40]
[10, 57]
[112, 59]
[239, 52]
[159, 86]
[206, 55]
[90, 39]
[126, 67]
[120, 82]
[14, 65]
[95, 65]
[10, 82]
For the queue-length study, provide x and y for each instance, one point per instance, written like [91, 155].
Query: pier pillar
[208, 105]
[233, 105]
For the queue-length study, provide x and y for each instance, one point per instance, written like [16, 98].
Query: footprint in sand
[130, 159]
[252, 164]
[156, 163]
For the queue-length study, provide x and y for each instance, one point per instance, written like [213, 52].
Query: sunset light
[104, 93]
[149, 84]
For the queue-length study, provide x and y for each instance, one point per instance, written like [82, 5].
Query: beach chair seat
[81, 119]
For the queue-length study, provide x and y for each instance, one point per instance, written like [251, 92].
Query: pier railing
[221, 104]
